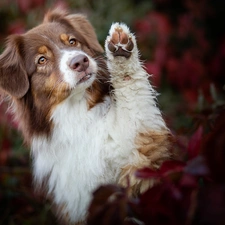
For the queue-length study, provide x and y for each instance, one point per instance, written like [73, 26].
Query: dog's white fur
[89, 147]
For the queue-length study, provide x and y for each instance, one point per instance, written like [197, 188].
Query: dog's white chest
[73, 158]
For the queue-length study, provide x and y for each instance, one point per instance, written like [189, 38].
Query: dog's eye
[42, 60]
[73, 41]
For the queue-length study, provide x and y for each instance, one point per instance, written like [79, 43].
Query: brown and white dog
[87, 124]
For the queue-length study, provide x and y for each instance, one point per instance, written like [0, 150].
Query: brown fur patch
[43, 50]
[134, 184]
[56, 90]
[66, 40]
[100, 87]
[153, 148]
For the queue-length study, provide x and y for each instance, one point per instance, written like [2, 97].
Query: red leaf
[171, 167]
[195, 142]
[167, 168]
[161, 205]
[197, 167]
[188, 181]
[147, 173]
[109, 206]
[214, 149]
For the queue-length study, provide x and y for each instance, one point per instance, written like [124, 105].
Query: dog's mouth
[85, 78]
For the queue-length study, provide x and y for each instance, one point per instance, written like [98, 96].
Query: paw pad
[120, 43]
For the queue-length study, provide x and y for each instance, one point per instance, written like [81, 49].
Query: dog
[90, 118]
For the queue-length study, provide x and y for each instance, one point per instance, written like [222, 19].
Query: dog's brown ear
[55, 14]
[13, 76]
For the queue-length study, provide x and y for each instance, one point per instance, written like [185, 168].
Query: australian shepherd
[89, 117]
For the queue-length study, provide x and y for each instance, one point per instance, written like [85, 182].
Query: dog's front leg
[136, 123]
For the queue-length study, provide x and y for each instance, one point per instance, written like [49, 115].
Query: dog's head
[52, 60]
[57, 59]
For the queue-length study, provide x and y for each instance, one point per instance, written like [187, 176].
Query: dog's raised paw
[120, 42]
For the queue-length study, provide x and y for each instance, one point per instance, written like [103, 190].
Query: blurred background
[182, 44]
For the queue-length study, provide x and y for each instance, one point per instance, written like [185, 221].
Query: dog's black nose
[79, 63]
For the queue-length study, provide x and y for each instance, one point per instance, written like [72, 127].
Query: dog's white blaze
[70, 76]
[89, 147]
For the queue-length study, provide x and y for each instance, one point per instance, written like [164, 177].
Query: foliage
[183, 45]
